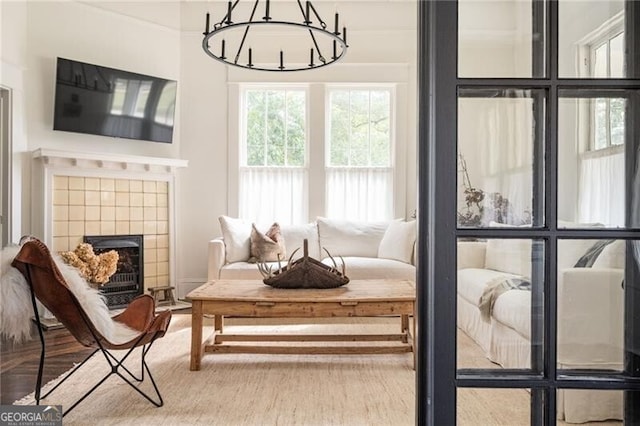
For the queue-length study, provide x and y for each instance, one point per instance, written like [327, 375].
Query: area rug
[239, 389]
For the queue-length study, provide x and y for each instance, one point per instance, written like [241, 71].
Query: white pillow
[612, 256]
[237, 239]
[397, 242]
[294, 235]
[509, 255]
[349, 238]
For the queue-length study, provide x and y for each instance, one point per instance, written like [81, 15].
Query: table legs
[196, 335]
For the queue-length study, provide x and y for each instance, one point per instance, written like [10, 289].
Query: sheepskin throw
[15, 299]
[16, 310]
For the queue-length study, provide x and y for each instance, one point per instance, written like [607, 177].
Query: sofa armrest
[590, 316]
[216, 258]
[471, 254]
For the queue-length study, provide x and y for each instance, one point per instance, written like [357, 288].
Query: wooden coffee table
[252, 298]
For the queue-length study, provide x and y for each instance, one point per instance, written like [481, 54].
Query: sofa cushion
[348, 238]
[269, 246]
[509, 255]
[363, 268]
[244, 271]
[472, 282]
[398, 240]
[294, 235]
[237, 238]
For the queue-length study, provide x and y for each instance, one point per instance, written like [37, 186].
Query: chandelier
[243, 42]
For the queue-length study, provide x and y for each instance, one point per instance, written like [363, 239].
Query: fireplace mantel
[92, 160]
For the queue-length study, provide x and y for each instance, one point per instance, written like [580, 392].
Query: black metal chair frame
[115, 363]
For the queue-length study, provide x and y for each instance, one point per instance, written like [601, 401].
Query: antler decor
[305, 272]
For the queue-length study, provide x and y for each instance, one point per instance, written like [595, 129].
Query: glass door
[529, 277]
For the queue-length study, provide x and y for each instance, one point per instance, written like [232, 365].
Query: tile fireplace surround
[105, 194]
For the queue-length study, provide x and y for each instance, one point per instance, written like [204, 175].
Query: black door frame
[437, 379]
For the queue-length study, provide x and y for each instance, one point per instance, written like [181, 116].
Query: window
[316, 149]
[273, 165]
[604, 58]
[359, 166]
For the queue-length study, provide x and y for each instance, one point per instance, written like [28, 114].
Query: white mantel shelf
[107, 160]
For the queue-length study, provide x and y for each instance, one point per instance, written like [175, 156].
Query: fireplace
[128, 280]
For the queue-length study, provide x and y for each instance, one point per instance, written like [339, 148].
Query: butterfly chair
[47, 285]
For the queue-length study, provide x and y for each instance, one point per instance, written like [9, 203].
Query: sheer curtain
[601, 189]
[505, 151]
[362, 194]
[274, 194]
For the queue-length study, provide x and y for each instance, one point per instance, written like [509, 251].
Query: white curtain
[504, 149]
[362, 194]
[601, 189]
[274, 194]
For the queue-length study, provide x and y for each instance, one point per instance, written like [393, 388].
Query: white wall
[13, 59]
[128, 36]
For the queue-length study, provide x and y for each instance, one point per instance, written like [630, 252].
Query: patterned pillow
[267, 247]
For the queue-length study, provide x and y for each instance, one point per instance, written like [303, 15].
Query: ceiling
[188, 15]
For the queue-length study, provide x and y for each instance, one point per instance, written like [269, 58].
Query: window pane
[616, 117]
[495, 38]
[496, 132]
[359, 173]
[591, 41]
[616, 47]
[592, 181]
[497, 300]
[497, 407]
[295, 128]
[276, 115]
[591, 304]
[600, 124]
[600, 68]
[339, 148]
[590, 405]
[255, 127]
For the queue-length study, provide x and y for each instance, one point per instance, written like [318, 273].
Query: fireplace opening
[128, 280]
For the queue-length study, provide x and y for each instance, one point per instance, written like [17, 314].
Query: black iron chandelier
[230, 39]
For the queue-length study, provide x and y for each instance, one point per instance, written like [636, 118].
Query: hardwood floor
[19, 362]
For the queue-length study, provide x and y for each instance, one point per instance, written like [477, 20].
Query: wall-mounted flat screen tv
[105, 101]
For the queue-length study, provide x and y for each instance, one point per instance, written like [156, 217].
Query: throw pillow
[398, 240]
[236, 234]
[267, 247]
[350, 238]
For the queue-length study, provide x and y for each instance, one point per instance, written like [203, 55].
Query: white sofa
[370, 250]
[590, 314]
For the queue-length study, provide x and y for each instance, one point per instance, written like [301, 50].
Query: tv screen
[105, 101]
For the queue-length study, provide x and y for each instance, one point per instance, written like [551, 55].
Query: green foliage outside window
[360, 128]
[275, 128]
